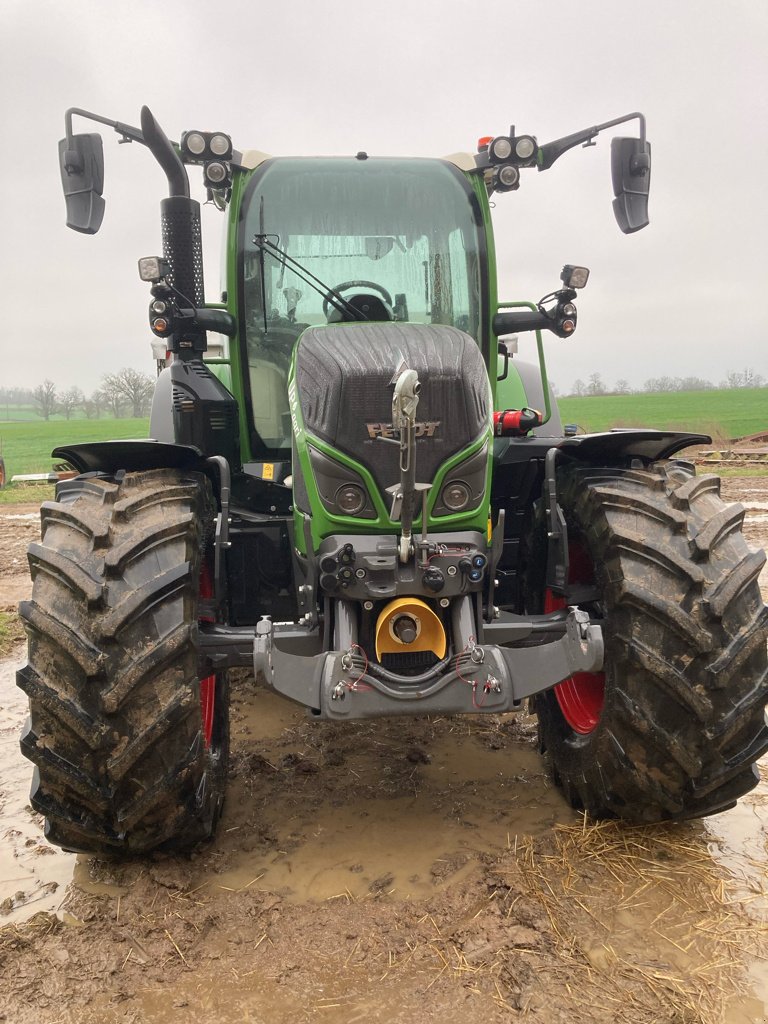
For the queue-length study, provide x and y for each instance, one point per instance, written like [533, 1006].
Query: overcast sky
[426, 78]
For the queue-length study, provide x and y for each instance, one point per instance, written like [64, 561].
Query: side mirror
[631, 173]
[81, 160]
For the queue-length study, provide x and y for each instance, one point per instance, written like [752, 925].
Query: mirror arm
[551, 151]
[128, 132]
[150, 135]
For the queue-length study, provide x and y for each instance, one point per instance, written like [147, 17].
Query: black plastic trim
[611, 445]
[638, 443]
[111, 456]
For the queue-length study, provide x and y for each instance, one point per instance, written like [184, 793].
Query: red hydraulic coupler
[516, 422]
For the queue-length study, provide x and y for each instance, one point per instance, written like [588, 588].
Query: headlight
[463, 487]
[341, 490]
[456, 495]
[351, 499]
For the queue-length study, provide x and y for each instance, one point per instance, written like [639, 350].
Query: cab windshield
[395, 239]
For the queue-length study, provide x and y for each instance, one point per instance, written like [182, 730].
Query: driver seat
[369, 307]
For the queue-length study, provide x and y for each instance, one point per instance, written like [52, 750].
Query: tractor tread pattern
[112, 678]
[686, 662]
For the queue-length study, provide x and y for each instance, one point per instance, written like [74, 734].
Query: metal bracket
[497, 548]
[557, 530]
[308, 596]
[262, 650]
[221, 537]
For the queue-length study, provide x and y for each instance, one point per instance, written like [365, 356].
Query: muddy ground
[400, 871]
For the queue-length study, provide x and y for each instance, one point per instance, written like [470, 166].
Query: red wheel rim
[582, 695]
[208, 684]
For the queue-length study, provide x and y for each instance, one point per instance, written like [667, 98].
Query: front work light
[525, 147]
[200, 146]
[574, 277]
[153, 269]
[216, 174]
[500, 149]
[194, 143]
[507, 178]
[221, 146]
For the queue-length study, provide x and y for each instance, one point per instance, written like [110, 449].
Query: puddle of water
[33, 874]
[738, 842]
[468, 800]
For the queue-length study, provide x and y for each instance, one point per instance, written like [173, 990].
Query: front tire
[128, 758]
[680, 721]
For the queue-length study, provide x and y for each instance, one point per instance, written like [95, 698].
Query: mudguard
[644, 444]
[111, 456]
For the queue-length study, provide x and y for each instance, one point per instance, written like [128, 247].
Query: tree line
[127, 392]
[595, 385]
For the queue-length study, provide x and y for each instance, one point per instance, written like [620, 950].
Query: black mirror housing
[631, 173]
[81, 160]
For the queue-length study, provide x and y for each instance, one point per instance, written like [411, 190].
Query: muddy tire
[680, 714]
[128, 759]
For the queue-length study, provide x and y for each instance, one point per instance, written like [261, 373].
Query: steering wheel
[328, 299]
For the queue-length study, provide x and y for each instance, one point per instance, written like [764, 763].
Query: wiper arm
[265, 244]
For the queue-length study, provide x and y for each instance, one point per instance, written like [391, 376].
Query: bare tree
[746, 379]
[622, 386]
[595, 385]
[70, 400]
[45, 396]
[128, 386]
[579, 388]
[94, 404]
[695, 384]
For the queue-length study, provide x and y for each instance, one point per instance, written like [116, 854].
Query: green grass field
[723, 414]
[13, 413]
[27, 447]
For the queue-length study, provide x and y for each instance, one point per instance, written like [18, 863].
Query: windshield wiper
[264, 242]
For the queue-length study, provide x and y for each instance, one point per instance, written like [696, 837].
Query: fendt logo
[424, 429]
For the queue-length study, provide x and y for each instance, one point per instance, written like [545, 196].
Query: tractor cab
[350, 240]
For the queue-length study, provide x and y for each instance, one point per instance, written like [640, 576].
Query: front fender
[631, 443]
[111, 456]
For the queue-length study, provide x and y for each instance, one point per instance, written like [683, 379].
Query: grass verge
[11, 633]
[26, 494]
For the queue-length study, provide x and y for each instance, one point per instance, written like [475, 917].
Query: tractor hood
[345, 376]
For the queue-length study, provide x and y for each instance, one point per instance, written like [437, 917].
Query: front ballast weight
[480, 675]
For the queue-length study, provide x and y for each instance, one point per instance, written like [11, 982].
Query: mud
[395, 871]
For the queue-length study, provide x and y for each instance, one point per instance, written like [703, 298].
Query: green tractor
[353, 487]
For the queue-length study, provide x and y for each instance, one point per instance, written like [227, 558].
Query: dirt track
[397, 871]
